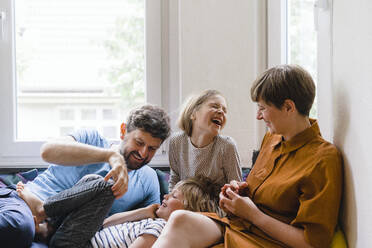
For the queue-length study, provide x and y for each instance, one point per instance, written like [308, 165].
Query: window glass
[302, 38]
[110, 132]
[67, 114]
[74, 53]
[109, 114]
[65, 130]
[88, 114]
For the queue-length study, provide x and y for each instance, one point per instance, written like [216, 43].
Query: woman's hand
[243, 207]
[236, 186]
[118, 173]
[239, 188]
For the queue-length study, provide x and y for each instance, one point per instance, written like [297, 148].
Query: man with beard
[87, 152]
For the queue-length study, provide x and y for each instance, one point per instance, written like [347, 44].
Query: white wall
[218, 45]
[352, 104]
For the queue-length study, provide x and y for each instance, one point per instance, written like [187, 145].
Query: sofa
[163, 177]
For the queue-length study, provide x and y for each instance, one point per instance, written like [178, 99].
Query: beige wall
[219, 45]
[352, 117]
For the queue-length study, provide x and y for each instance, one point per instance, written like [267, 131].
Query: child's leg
[91, 201]
[83, 191]
[17, 227]
[186, 229]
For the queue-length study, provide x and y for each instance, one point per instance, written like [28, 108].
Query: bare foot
[33, 202]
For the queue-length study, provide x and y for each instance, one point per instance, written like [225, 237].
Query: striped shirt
[218, 161]
[123, 235]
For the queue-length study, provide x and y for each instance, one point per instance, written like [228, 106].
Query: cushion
[163, 178]
[339, 240]
[245, 172]
[9, 179]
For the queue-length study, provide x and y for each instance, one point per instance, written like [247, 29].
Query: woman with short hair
[292, 195]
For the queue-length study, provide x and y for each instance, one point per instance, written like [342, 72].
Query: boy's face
[172, 201]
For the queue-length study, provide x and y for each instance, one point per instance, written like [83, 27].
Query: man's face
[138, 148]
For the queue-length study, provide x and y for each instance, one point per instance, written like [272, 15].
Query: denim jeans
[81, 210]
[17, 228]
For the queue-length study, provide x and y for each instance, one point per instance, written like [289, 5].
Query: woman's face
[211, 116]
[172, 201]
[274, 118]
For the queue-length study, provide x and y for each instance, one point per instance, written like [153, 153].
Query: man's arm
[133, 215]
[66, 151]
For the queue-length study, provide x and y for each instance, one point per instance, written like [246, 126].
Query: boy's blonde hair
[200, 194]
[193, 104]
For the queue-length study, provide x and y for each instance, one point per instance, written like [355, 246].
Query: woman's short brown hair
[192, 104]
[200, 194]
[283, 82]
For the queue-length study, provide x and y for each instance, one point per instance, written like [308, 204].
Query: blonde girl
[200, 149]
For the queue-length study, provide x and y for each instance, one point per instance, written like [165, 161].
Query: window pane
[77, 53]
[302, 38]
[109, 114]
[88, 114]
[65, 130]
[110, 132]
[67, 114]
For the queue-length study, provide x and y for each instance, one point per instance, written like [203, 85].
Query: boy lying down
[74, 217]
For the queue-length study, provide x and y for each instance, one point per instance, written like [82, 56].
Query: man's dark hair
[151, 119]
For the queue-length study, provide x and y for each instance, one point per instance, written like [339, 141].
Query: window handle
[2, 25]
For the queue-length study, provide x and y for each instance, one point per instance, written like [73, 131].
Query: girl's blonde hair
[193, 104]
[200, 194]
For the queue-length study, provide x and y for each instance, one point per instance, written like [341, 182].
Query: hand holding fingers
[234, 184]
[241, 206]
[229, 186]
[223, 200]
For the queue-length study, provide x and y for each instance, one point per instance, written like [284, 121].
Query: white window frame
[26, 154]
[277, 52]
[276, 32]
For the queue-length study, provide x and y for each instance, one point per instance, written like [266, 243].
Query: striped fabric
[123, 235]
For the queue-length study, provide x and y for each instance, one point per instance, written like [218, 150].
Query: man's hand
[118, 173]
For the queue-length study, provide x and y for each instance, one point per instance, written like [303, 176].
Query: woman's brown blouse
[298, 182]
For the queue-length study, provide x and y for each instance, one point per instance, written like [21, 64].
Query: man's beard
[136, 165]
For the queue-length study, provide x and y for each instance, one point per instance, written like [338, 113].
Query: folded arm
[133, 215]
[66, 151]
